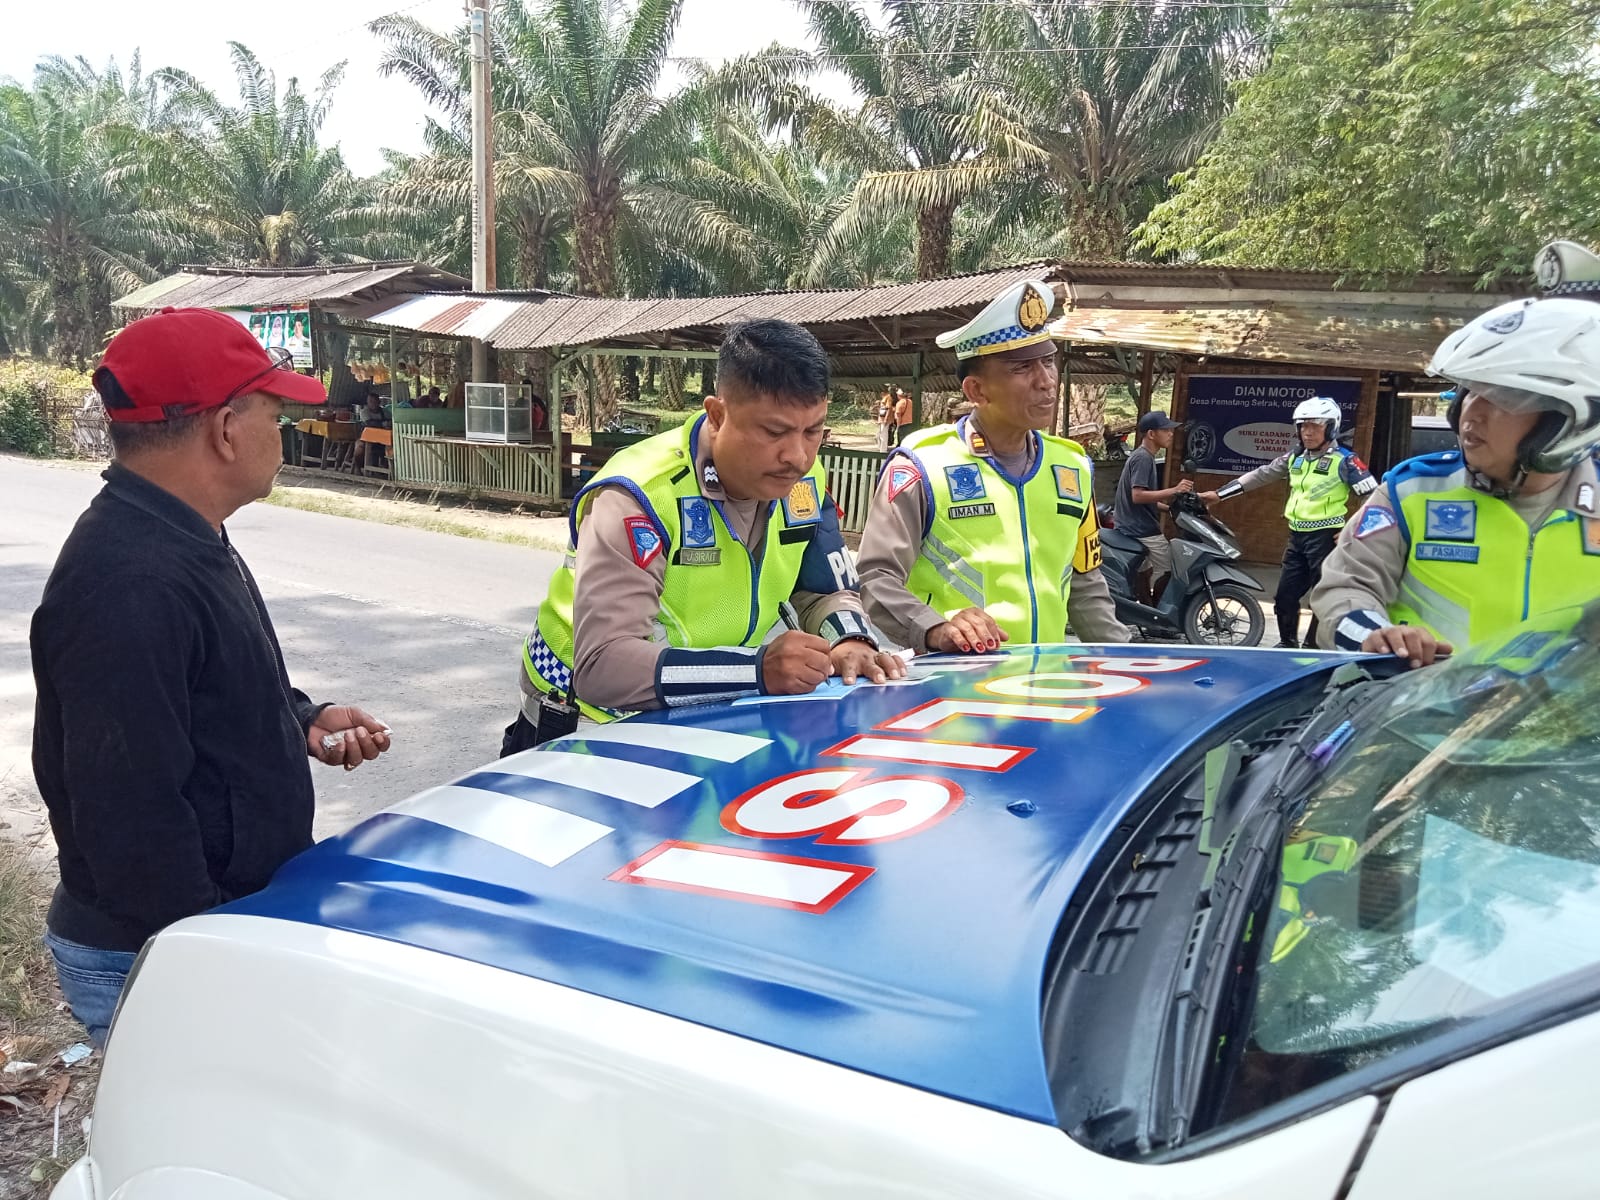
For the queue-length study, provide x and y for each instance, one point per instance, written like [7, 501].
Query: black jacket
[167, 742]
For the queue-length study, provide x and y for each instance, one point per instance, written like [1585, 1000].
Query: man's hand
[1411, 642]
[854, 659]
[1209, 497]
[1182, 486]
[360, 736]
[970, 631]
[795, 663]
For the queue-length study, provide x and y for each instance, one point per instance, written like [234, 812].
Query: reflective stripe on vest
[1001, 544]
[714, 593]
[1473, 567]
[1317, 499]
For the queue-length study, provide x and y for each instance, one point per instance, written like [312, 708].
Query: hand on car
[1411, 642]
[347, 735]
[795, 663]
[970, 631]
[855, 659]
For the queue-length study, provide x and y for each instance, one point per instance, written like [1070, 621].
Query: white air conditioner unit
[498, 412]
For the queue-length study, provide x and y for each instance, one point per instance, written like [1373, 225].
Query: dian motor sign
[1236, 423]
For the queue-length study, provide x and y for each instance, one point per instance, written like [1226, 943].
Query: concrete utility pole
[482, 172]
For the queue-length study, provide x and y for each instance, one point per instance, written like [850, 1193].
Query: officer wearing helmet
[1322, 476]
[1462, 545]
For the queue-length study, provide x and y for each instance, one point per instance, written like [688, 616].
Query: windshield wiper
[1239, 887]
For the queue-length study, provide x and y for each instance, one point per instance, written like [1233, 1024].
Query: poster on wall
[288, 326]
[1236, 423]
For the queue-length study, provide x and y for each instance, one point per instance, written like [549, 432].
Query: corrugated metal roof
[1379, 337]
[217, 287]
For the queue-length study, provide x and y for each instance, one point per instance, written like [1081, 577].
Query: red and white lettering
[841, 807]
[936, 712]
[976, 756]
[1139, 666]
[754, 876]
[1062, 685]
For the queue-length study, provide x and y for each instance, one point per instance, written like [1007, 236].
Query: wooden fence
[511, 472]
[852, 476]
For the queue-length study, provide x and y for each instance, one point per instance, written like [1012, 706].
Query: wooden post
[916, 394]
[1147, 382]
[553, 407]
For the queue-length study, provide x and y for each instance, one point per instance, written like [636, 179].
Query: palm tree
[1100, 103]
[911, 77]
[582, 135]
[72, 231]
[430, 194]
[251, 183]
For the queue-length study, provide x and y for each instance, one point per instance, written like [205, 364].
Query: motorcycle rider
[1139, 501]
[1462, 545]
[1322, 475]
[984, 531]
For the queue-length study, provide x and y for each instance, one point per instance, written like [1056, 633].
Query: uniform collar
[972, 436]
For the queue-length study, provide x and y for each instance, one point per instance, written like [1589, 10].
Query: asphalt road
[422, 629]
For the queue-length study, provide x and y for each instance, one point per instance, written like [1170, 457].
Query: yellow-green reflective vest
[1001, 544]
[716, 593]
[1319, 498]
[1473, 567]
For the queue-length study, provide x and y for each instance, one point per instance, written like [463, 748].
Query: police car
[1064, 922]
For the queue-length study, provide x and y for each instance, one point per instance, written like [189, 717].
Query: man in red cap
[168, 743]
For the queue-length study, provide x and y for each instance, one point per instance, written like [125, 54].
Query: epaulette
[1440, 462]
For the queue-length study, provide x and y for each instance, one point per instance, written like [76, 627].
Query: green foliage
[30, 398]
[1403, 137]
[22, 423]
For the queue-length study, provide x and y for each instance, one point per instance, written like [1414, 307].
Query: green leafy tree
[1403, 137]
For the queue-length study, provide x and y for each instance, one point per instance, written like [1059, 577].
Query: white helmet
[1320, 408]
[1533, 356]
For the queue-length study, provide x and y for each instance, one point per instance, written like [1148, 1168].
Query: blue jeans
[91, 980]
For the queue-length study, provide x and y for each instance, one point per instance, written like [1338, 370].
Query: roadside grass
[339, 505]
[42, 1101]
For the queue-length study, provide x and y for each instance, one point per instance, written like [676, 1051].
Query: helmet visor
[1513, 400]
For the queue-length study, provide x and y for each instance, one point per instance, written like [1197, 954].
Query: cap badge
[1032, 311]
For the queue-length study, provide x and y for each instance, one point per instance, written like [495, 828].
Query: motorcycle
[1206, 601]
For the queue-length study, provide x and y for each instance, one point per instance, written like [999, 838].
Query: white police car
[1064, 922]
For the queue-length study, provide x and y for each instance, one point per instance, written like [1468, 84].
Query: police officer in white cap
[984, 531]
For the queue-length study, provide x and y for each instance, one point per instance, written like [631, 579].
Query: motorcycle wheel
[1235, 619]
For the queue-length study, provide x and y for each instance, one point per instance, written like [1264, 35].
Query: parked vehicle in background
[1207, 600]
[1078, 923]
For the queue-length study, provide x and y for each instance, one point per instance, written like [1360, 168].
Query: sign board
[1236, 423]
[288, 326]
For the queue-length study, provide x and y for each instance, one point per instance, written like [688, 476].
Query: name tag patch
[958, 511]
[694, 517]
[1433, 552]
[1451, 520]
[697, 558]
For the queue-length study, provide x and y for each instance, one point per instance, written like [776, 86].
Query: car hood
[892, 915]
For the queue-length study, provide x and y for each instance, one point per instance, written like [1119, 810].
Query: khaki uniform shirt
[1362, 574]
[616, 636]
[893, 540]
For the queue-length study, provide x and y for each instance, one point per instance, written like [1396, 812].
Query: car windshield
[1444, 865]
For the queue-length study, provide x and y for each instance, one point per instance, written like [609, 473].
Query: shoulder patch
[902, 475]
[1374, 520]
[643, 539]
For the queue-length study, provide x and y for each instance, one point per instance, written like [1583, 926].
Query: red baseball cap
[182, 361]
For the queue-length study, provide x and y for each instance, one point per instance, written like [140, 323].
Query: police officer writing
[1322, 475]
[1459, 546]
[983, 531]
[684, 550]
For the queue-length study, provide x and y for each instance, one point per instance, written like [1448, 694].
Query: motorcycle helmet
[1319, 408]
[1532, 356]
